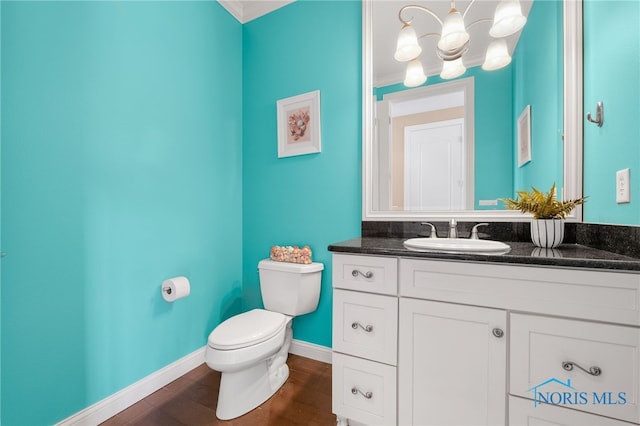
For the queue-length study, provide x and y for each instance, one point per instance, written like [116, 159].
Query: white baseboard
[310, 350]
[121, 400]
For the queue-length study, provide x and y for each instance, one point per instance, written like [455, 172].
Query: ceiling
[386, 27]
[247, 10]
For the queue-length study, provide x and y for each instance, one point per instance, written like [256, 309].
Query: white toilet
[251, 349]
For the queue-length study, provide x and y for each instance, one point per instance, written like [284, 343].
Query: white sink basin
[456, 245]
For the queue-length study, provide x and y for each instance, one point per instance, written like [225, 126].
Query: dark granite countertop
[566, 255]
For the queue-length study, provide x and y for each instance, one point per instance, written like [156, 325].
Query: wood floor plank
[191, 400]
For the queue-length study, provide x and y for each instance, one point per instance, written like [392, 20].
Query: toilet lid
[247, 329]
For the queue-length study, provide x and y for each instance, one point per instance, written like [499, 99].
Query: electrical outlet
[623, 192]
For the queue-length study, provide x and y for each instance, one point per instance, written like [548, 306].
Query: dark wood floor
[305, 399]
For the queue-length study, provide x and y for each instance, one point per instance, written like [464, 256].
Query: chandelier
[454, 40]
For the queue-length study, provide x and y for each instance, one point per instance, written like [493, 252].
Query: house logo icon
[557, 392]
[539, 396]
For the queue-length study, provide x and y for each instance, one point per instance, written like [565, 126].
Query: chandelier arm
[452, 55]
[415, 6]
[428, 34]
[479, 21]
[466, 9]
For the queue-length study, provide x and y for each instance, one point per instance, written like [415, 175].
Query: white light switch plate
[623, 192]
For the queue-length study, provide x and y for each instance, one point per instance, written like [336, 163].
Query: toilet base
[244, 390]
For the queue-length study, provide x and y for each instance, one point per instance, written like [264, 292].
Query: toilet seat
[247, 329]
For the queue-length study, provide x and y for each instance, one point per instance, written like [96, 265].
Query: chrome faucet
[433, 234]
[474, 231]
[453, 229]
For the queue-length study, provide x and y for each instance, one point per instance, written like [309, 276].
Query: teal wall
[0, 212]
[313, 199]
[538, 82]
[493, 130]
[139, 143]
[493, 127]
[121, 167]
[611, 75]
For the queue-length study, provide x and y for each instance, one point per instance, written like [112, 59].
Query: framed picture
[299, 125]
[524, 136]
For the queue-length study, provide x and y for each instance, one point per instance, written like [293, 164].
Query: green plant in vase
[547, 226]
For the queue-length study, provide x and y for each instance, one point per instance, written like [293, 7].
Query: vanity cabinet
[455, 342]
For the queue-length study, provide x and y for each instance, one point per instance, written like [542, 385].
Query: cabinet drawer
[364, 391]
[577, 293]
[540, 347]
[365, 325]
[366, 273]
[522, 412]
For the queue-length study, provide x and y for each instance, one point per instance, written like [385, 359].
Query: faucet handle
[453, 229]
[474, 230]
[433, 234]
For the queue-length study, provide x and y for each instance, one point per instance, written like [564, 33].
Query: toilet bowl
[251, 349]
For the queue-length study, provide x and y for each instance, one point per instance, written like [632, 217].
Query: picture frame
[299, 130]
[524, 136]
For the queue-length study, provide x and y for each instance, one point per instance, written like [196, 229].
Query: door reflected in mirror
[426, 135]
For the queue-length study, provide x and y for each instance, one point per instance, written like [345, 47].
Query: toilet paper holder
[175, 288]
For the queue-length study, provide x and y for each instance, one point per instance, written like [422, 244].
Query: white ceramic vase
[547, 233]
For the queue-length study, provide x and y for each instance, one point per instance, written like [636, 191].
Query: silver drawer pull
[498, 332]
[367, 274]
[355, 391]
[368, 328]
[594, 371]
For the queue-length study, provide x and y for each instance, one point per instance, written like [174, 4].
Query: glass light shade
[508, 19]
[415, 74]
[454, 33]
[452, 69]
[407, 47]
[497, 56]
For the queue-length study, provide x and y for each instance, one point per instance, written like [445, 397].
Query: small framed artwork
[524, 136]
[299, 125]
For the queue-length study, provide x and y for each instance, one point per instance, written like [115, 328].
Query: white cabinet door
[586, 366]
[523, 412]
[452, 364]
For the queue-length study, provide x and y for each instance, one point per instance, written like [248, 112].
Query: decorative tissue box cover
[292, 254]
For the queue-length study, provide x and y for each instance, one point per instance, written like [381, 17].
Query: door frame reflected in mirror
[399, 112]
[572, 69]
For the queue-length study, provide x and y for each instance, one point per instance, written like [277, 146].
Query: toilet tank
[290, 288]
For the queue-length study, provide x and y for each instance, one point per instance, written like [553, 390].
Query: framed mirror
[488, 164]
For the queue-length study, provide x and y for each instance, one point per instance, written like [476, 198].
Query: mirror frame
[573, 134]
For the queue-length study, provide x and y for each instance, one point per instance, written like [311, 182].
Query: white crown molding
[248, 10]
[234, 7]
